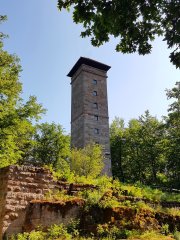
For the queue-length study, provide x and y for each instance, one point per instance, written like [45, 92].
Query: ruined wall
[22, 190]
[20, 185]
[23, 206]
[45, 213]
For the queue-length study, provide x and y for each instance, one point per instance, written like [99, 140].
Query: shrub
[88, 161]
[109, 202]
[110, 232]
[148, 235]
[58, 231]
[92, 197]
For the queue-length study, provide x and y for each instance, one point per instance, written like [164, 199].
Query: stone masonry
[89, 106]
[23, 189]
[20, 185]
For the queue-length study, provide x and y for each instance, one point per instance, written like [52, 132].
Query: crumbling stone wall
[20, 185]
[46, 213]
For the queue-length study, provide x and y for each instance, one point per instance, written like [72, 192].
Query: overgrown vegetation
[104, 232]
[147, 150]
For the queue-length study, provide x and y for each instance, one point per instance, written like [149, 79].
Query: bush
[88, 161]
[110, 232]
[58, 231]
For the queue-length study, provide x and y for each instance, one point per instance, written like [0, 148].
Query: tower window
[94, 93]
[95, 105]
[96, 131]
[94, 81]
[96, 117]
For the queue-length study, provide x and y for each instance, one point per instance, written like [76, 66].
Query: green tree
[52, 145]
[152, 155]
[117, 139]
[136, 23]
[137, 150]
[134, 163]
[173, 137]
[87, 161]
[16, 128]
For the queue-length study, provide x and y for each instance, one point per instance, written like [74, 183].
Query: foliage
[134, 23]
[173, 136]
[117, 132]
[58, 231]
[91, 197]
[149, 235]
[136, 150]
[53, 232]
[58, 196]
[172, 211]
[111, 232]
[34, 235]
[52, 146]
[87, 161]
[177, 235]
[105, 232]
[147, 150]
[109, 202]
[16, 117]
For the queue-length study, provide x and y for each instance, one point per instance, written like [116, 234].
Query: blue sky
[49, 43]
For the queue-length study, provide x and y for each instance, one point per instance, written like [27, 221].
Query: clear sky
[49, 43]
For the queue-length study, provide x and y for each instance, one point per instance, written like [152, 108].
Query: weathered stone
[45, 213]
[15, 196]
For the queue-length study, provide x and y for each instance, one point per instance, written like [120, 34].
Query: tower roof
[89, 62]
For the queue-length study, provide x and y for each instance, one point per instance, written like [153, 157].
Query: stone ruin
[24, 205]
[22, 200]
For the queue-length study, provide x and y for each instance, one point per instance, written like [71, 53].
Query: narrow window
[94, 82]
[95, 105]
[94, 93]
[96, 131]
[96, 142]
[96, 117]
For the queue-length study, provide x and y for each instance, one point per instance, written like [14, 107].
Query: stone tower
[89, 106]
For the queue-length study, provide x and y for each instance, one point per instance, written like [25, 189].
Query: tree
[16, 128]
[137, 150]
[87, 161]
[152, 135]
[52, 146]
[173, 137]
[117, 138]
[136, 23]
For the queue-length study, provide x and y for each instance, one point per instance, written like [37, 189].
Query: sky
[49, 44]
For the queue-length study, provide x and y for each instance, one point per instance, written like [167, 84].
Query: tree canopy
[52, 145]
[148, 150]
[135, 23]
[16, 116]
